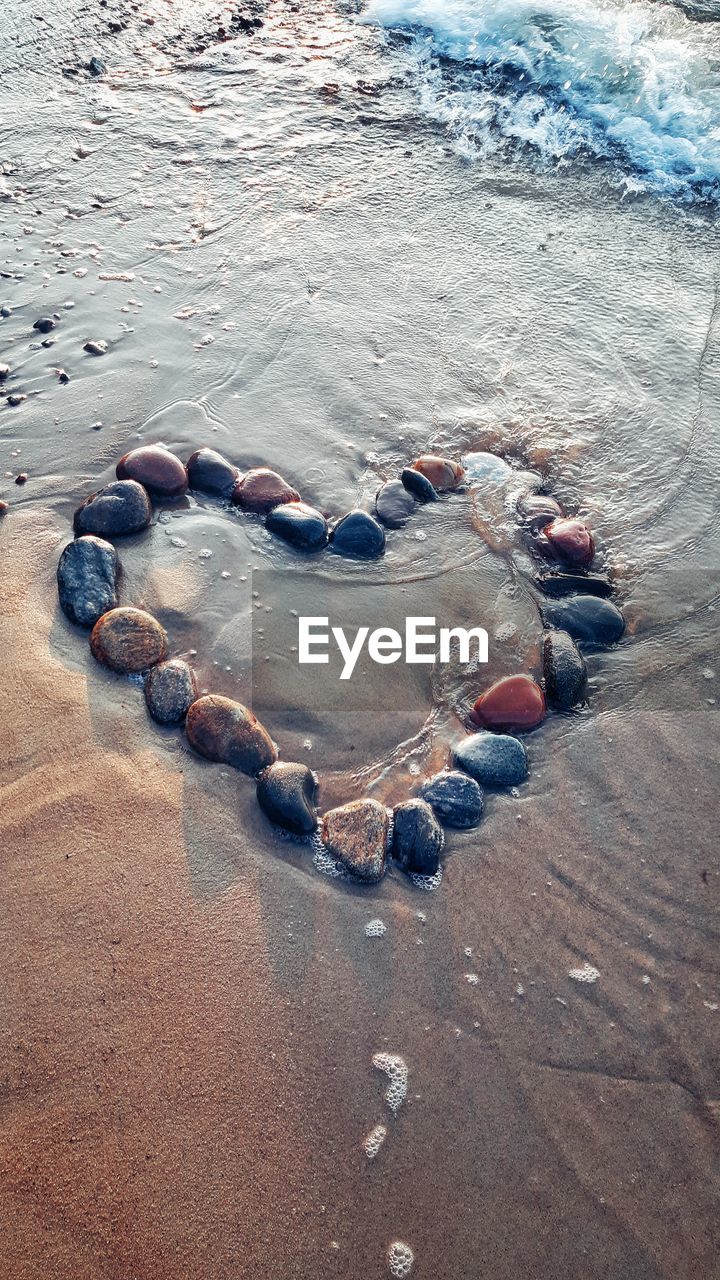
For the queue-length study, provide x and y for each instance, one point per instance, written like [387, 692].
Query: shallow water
[291, 261]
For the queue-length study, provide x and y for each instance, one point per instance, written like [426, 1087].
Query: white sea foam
[396, 1070]
[587, 973]
[630, 81]
[374, 1141]
[400, 1259]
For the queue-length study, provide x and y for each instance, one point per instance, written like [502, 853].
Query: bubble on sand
[427, 882]
[587, 973]
[374, 1141]
[324, 862]
[375, 928]
[400, 1259]
[472, 978]
[396, 1070]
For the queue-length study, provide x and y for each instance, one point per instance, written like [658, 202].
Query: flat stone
[262, 489]
[44, 324]
[494, 759]
[564, 670]
[156, 468]
[456, 799]
[515, 702]
[298, 524]
[95, 347]
[287, 794]
[209, 472]
[587, 618]
[564, 584]
[442, 473]
[121, 507]
[536, 510]
[87, 576]
[356, 835]
[128, 640]
[418, 485]
[170, 690]
[571, 541]
[359, 536]
[394, 504]
[417, 838]
[221, 729]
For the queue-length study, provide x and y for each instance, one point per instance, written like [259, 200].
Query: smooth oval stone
[287, 794]
[356, 835]
[565, 584]
[495, 759]
[487, 467]
[564, 670]
[418, 485]
[417, 837]
[571, 541]
[156, 468]
[456, 799]
[262, 489]
[44, 325]
[586, 618]
[299, 524]
[87, 575]
[224, 730]
[394, 504]
[358, 535]
[537, 510]
[209, 472]
[121, 507]
[442, 473]
[515, 702]
[170, 689]
[128, 640]
[96, 347]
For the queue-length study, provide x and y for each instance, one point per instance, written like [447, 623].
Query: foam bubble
[400, 1259]
[396, 1070]
[586, 973]
[374, 1141]
[428, 883]
[375, 928]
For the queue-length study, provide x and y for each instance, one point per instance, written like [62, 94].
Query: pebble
[494, 759]
[224, 730]
[87, 575]
[298, 524]
[456, 798]
[128, 640]
[487, 467]
[417, 838]
[358, 535]
[418, 485]
[16, 398]
[156, 468]
[4, 372]
[287, 794]
[515, 702]
[121, 507]
[571, 541]
[44, 325]
[563, 584]
[394, 504]
[356, 835]
[96, 347]
[538, 510]
[4, 508]
[209, 472]
[170, 690]
[564, 670]
[21, 477]
[587, 618]
[262, 489]
[442, 473]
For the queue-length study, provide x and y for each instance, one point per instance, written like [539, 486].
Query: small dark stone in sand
[156, 468]
[537, 510]
[299, 524]
[358, 535]
[456, 798]
[417, 838]
[515, 702]
[356, 835]
[15, 399]
[261, 489]
[221, 729]
[4, 507]
[494, 759]
[170, 689]
[96, 67]
[87, 580]
[209, 472]
[565, 584]
[4, 372]
[63, 376]
[442, 473]
[587, 618]
[128, 640]
[287, 793]
[564, 670]
[418, 485]
[5, 312]
[121, 507]
[44, 325]
[394, 504]
[96, 347]
[21, 477]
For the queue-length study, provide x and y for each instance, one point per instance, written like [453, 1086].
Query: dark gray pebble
[587, 618]
[418, 485]
[170, 691]
[4, 372]
[537, 510]
[96, 67]
[359, 536]
[417, 838]
[44, 325]
[287, 794]
[456, 798]
[495, 759]
[95, 347]
[87, 580]
[298, 524]
[565, 584]
[209, 472]
[564, 670]
[394, 504]
[121, 507]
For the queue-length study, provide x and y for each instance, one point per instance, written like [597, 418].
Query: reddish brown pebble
[223, 730]
[442, 473]
[515, 702]
[572, 541]
[128, 640]
[356, 835]
[261, 490]
[4, 506]
[21, 478]
[156, 468]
